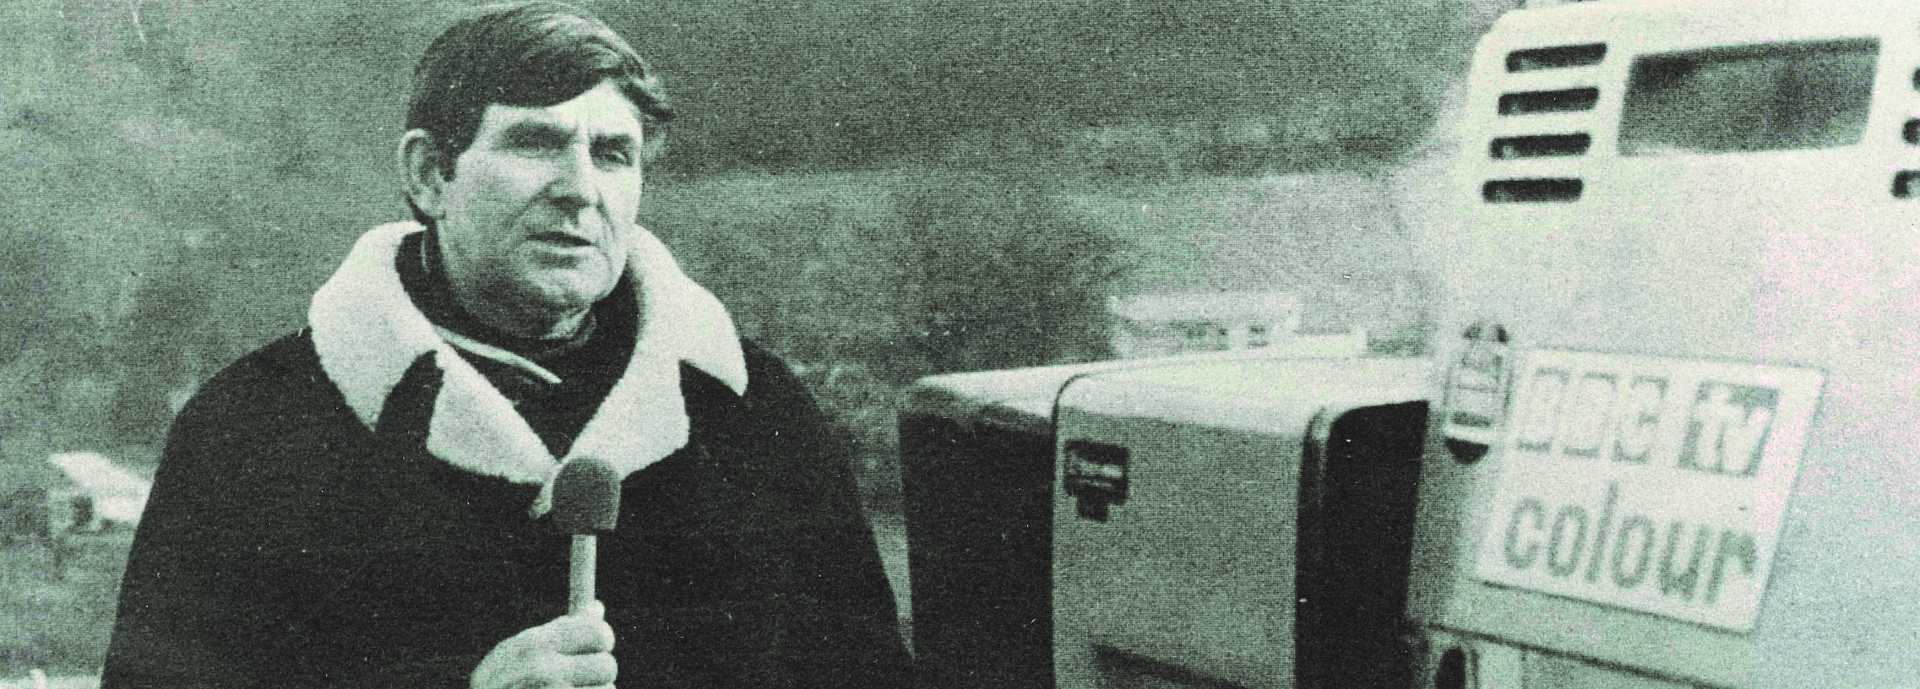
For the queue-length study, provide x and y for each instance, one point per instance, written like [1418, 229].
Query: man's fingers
[576, 634]
[555, 670]
[574, 650]
[590, 670]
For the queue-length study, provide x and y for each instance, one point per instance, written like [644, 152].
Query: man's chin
[569, 296]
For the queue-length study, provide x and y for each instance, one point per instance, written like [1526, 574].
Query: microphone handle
[580, 575]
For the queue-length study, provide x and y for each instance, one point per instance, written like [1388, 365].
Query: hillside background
[879, 190]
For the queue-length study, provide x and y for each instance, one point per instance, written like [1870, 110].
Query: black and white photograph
[929, 344]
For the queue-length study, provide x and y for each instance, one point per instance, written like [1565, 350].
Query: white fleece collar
[368, 332]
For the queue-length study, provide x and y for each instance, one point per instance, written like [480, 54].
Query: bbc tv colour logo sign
[1648, 484]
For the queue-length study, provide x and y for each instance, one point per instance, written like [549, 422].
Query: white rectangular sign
[1649, 484]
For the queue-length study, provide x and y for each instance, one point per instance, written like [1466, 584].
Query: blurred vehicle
[96, 495]
[1672, 450]
[1660, 442]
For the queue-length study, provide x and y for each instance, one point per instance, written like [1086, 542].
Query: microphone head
[586, 496]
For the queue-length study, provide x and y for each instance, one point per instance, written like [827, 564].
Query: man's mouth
[563, 239]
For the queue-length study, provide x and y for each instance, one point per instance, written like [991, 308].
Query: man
[363, 503]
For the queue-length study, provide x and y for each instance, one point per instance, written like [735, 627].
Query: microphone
[586, 502]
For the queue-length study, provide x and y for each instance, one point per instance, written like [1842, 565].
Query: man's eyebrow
[617, 139]
[549, 133]
[536, 132]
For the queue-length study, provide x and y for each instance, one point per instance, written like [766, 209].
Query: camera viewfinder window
[1809, 95]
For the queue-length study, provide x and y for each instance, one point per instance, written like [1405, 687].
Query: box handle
[1095, 476]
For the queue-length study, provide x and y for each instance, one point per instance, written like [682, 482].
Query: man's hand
[574, 650]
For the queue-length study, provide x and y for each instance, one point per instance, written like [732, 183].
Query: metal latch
[1096, 477]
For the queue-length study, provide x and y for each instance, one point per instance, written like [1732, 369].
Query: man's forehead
[600, 110]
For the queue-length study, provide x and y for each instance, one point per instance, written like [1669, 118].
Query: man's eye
[613, 156]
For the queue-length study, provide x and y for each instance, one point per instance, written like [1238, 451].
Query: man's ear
[421, 178]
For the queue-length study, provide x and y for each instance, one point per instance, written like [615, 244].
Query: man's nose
[573, 186]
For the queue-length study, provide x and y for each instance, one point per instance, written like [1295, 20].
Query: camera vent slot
[1540, 146]
[1537, 102]
[1550, 190]
[1906, 184]
[1557, 57]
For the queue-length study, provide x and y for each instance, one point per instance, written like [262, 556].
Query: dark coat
[286, 544]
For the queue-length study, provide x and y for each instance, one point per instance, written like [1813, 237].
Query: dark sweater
[285, 544]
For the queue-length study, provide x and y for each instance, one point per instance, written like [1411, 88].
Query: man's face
[539, 214]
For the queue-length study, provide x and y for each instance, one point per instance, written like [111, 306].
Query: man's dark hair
[525, 54]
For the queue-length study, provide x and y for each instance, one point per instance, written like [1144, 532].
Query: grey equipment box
[978, 455]
[977, 461]
[1237, 524]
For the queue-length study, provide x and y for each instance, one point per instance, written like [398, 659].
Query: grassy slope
[57, 603]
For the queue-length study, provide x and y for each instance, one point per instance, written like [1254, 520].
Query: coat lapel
[367, 333]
